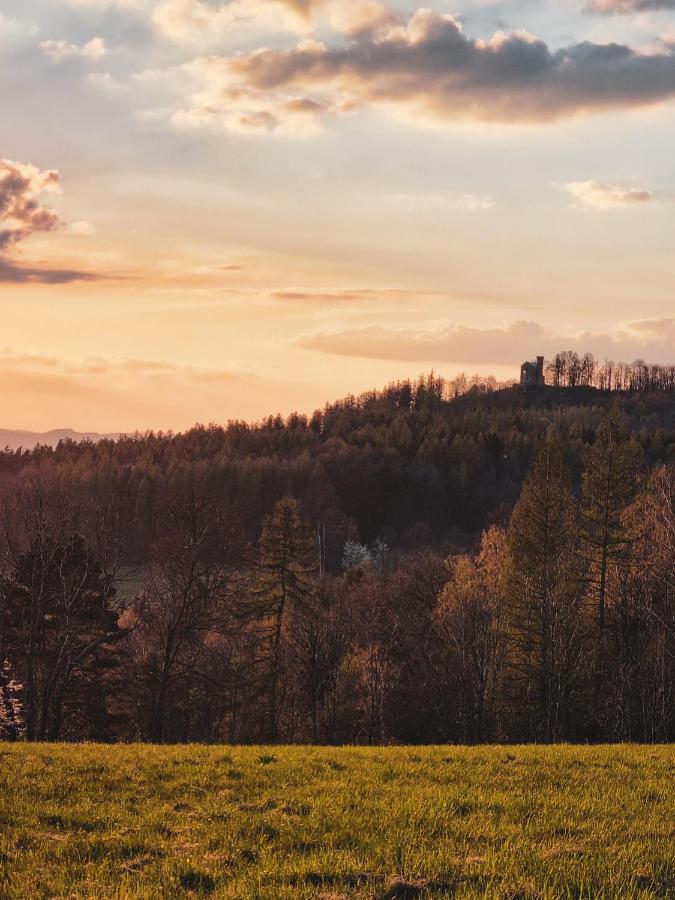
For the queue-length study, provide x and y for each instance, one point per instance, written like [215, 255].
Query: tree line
[569, 369]
[554, 620]
[418, 464]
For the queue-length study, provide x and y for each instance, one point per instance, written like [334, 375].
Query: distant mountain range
[29, 439]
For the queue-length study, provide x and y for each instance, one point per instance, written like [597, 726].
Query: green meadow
[524, 822]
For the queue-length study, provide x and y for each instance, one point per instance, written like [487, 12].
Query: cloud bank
[426, 66]
[508, 344]
[630, 6]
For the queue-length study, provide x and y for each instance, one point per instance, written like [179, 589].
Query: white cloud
[105, 81]
[604, 195]
[213, 101]
[82, 228]
[359, 18]
[60, 50]
[193, 20]
[199, 22]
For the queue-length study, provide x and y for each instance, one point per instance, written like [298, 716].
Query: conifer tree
[542, 626]
[609, 487]
[285, 587]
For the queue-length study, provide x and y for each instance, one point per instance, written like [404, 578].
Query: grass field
[135, 821]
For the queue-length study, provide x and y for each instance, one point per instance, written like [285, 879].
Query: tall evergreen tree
[542, 624]
[607, 536]
[609, 487]
[285, 585]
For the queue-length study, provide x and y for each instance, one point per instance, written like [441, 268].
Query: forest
[440, 561]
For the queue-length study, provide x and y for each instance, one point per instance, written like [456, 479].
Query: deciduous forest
[435, 562]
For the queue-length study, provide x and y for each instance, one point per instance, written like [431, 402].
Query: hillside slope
[410, 464]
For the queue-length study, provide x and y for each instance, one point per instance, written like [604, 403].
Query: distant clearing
[132, 821]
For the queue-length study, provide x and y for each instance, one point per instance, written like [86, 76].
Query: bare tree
[189, 592]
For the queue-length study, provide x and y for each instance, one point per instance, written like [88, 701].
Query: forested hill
[417, 464]
[434, 562]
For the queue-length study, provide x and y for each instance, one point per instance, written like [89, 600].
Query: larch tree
[285, 587]
[542, 605]
[609, 487]
[607, 537]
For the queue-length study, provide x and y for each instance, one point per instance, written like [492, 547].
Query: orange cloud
[506, 344]
[103, 394]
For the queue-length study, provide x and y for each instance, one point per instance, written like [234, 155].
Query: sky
[217, 210]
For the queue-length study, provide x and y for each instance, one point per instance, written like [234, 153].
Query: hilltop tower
[532, 373]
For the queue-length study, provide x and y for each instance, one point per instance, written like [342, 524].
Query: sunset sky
[212, 210]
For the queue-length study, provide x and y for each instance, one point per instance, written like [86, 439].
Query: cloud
[122, 4]
[438, 202]
[302, 7]
[340, 296]
[604, 195]
[82, 228]
[191, 20]
[198, 21]
[21, 274]
[20, 211]
[429, 67]
[219, 103]
[508, 344]
[109, 394]
[22, 215]
[455, 343]
[61, 50]
[205, 22]
[360, 18]
[609, 7]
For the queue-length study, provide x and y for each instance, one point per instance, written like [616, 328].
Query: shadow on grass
[388, 888]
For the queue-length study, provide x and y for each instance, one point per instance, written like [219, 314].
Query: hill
[28, 440]
[411, 566]
[415, 464]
